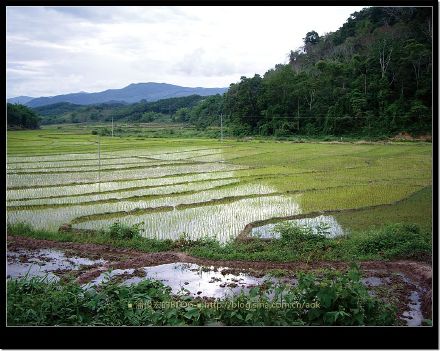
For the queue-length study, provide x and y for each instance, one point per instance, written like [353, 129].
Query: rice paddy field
[207, 188]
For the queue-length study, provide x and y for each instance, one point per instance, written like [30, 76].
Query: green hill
[143, 111]
[371, 77]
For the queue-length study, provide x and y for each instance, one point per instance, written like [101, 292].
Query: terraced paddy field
[205, 188]
[216, 220]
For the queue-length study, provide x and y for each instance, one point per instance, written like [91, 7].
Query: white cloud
[56, 50]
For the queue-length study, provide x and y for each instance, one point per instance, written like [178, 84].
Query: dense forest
[21, 117]
[373, 76]
[143, 111]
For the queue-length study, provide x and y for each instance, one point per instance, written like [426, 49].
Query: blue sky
[58, 50]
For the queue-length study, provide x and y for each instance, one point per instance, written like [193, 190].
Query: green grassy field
[204, 188]
[197, 196]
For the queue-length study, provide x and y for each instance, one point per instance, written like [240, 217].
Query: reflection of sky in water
[413, 316]
[43, 262]
[332, 227]
[195, 279]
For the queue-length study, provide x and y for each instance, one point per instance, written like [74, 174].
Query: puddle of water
[332, 227]
[414, 315]
[196, 280]
[43, 262]
[375, 281]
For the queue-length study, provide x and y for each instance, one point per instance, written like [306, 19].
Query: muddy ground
[408, 283]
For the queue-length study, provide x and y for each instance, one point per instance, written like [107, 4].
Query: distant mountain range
[20, 100]
[130, 94]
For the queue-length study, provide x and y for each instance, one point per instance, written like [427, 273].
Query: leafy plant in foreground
[344, 300]
[329, 299]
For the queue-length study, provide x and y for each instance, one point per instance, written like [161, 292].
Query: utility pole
[99, 163]
[112, 126]
[221, 126]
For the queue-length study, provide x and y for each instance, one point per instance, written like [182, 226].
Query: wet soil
[407, 283]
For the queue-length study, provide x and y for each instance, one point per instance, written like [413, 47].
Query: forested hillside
[143, 111]
[21, 117]
[371, 77]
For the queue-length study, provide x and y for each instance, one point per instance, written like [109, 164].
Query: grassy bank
[393, 241]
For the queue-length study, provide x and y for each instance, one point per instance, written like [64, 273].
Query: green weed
[330, 299]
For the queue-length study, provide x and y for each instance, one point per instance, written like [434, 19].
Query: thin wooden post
[99, 163]
[221, 127]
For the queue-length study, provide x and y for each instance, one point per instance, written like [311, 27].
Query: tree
[182, 115]
[21, 117]
[311, 38]
[417, 56]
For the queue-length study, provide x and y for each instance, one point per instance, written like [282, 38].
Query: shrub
[297, 236]
[397, 240]
[120, 231]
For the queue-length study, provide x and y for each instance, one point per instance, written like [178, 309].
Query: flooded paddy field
[342, 223]
[405, 283]
[208, 214]
[204, 188]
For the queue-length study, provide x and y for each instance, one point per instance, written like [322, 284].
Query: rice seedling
[320, 225]
[187, 154]
[118, 185]
[94, 168]
[221, 222]
[52, 217]
[355, 196]
[17, 180]
[84, 164]
[127, 194]
[105, 155]
[191, 186]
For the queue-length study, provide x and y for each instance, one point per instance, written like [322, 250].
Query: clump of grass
[399, 240]
[301, 243]
[121, 231]
[25, 229]
[183, 242]
[20, 228]
[99, 237]
[278, 273]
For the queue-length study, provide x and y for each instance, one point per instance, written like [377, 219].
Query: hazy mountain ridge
[129, 94]
[20, 100]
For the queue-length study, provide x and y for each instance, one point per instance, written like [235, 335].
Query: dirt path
[119, 258]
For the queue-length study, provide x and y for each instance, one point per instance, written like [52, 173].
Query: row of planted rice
[171, 191]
